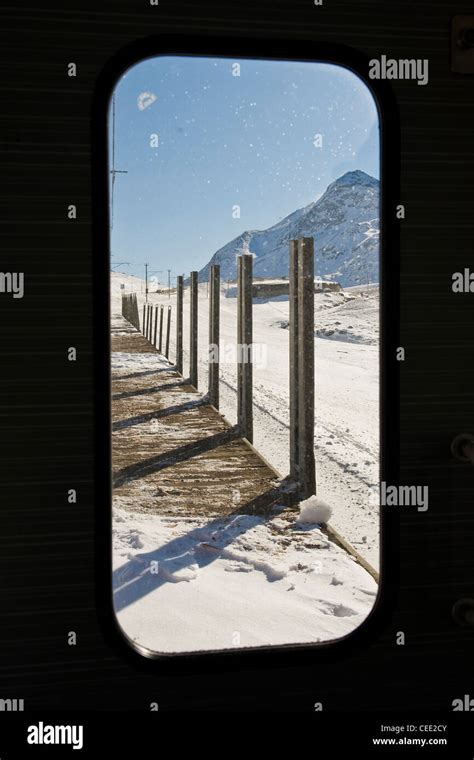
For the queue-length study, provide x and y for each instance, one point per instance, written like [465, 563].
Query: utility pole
[113, 170]
[169, 283]
[146, 282]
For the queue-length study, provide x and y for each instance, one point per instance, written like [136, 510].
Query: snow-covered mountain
[344, 223]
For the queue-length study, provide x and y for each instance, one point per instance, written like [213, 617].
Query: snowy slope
[344, 223]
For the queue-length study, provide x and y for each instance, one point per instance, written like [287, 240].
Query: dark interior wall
[47, 407]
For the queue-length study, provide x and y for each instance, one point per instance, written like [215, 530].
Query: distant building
[281, 287]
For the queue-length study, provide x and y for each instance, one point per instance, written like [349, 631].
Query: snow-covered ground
[247, 581]
[184, 584]
[346, 393]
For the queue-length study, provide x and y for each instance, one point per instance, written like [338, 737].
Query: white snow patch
[314, 510]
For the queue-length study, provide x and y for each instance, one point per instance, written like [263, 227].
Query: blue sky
[227, 140]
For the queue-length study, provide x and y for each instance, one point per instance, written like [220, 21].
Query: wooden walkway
[172, 452]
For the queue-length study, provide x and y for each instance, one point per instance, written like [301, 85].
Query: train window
[245, 352]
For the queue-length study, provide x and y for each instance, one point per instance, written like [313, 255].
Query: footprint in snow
[341, 610]
[338, 610]
[134, 540]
